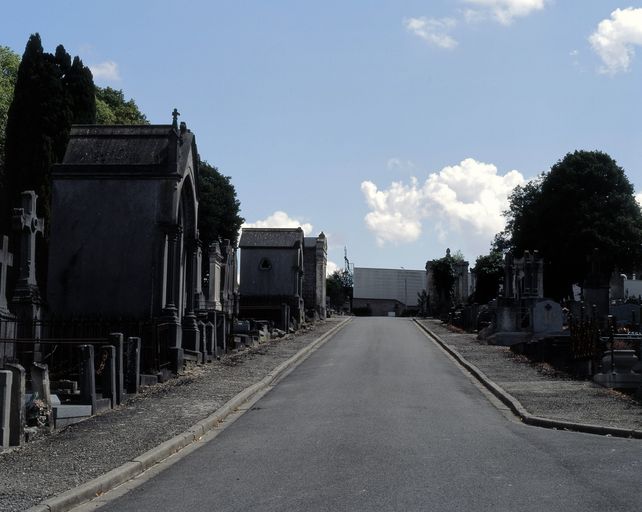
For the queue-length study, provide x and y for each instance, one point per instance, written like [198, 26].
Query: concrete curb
[518, 409]
[100, 485]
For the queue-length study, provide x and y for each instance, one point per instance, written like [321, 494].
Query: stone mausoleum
[124, 237]
[271, 280]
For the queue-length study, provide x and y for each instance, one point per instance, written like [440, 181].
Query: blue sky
[396, 127]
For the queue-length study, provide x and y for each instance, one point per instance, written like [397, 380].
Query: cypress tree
[51, 92]
[81, 93]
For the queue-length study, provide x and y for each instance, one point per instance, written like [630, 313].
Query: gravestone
[626, 315]
[547, 317]
[6, 261]
[5, 407]
[26, 301]
[18, 417]
[40, 385]
[7, 320]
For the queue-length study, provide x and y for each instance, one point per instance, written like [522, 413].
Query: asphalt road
[380, 419]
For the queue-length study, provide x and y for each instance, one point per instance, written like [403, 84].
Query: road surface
[379, 418]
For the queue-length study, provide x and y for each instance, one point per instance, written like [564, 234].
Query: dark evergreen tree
[50, 93]
[81, 94]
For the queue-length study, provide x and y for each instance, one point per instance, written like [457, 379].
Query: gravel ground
[81, 452]
[542, 390]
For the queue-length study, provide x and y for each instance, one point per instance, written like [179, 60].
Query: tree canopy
[9, 62]
[218, 207]
[112, 108]
[489, 270]
[584, 202]
[339, 288]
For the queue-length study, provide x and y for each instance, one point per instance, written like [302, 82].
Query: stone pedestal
[5, 407]
[132, 375]
[87, 377]
[18, 416]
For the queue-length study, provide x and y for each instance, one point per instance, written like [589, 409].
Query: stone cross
[29, 225]
[175, 115]
[6, 260]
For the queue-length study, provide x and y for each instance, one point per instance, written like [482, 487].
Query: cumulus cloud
[280, 219]
[330, 268]
[107, 70]
[504, 11]
[434, 31]
[615, 39]
[467, 198]
[638, 198]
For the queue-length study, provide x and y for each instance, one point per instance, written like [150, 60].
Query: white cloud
[107, 70]
[638, 198]
[280, 219]
[398, 164]
[503, 11]
[615, 39]
[330, 268]
[434, 31]
[467, 198]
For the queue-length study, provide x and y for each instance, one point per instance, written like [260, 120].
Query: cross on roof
[175, 114]
[6, 261]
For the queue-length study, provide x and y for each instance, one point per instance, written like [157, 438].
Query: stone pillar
[199, 295]
[169, 327]
[5, 407]
[116, 339]
[132, 377]
[40, 385]
[18, 414]
[189, 325]
[108, 373]
[214, 292]
[87, 377]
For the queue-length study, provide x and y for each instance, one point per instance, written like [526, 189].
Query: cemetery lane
[379, 418]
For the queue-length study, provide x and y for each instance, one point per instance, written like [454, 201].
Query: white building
[387, 291]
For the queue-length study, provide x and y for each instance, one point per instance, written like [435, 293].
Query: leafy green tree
[489, 270]
[112, 108]
[9, 62]
[218, 207]
[584, 202]
[339, 288]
